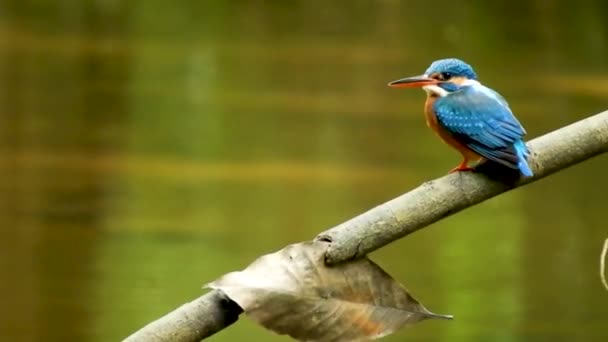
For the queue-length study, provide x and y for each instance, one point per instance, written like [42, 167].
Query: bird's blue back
[481, 119]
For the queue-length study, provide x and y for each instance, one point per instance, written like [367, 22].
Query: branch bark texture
[450, 194]
[192, 321]
[395, 219]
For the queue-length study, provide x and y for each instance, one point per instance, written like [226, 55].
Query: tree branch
[192, 321]
[603, 264]
[397, 218]
[450, 194]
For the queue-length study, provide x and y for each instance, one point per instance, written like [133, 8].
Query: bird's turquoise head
[448, 74]
[451, 67]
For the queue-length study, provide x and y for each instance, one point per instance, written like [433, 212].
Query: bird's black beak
[413, 82]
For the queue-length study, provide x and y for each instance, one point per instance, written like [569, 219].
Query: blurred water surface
[147, 147]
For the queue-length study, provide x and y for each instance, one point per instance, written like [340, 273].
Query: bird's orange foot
[462, 167]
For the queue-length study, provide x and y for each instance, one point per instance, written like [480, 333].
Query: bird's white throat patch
[435, 90]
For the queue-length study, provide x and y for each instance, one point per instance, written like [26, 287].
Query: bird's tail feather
[522, 156]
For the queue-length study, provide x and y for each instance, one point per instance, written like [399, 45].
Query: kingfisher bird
[470, 117]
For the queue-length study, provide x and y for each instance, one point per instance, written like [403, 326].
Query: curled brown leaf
[293, 292]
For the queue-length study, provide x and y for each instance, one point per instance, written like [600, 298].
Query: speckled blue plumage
[480, 118]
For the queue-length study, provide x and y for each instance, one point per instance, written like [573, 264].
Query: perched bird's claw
[460, 168]
[464, 166]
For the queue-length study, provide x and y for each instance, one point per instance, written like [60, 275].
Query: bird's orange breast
[447, 137]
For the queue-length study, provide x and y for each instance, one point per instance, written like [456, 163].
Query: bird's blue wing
[480, 119]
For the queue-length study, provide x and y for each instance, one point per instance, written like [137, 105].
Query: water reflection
[149, 147]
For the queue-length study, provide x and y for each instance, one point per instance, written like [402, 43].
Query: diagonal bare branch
[450, 194]
[395, 219]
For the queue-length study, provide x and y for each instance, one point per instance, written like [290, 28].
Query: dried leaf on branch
[293, 292]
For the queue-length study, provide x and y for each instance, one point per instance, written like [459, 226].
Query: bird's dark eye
[445, 76]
